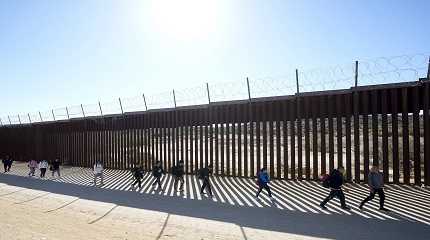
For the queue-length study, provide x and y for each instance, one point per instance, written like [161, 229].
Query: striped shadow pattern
[407, 203]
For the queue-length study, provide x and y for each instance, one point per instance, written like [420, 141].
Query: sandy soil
[72, 208]
[32, 214]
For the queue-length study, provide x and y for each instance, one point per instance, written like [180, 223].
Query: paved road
[233, 213]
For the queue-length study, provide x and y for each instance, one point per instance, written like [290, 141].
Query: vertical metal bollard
[299, 129]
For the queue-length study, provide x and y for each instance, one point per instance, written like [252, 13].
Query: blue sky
[58, 53]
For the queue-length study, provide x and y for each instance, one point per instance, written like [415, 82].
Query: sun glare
[185, 19]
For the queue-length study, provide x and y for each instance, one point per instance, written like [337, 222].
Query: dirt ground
[31, 214]
[71, 207]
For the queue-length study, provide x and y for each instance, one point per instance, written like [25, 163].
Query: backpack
[200, 173]
[325, 179]
[174, 170]
[138, 172]
[155, 172]
[258, 181]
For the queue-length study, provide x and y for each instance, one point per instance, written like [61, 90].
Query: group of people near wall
[33, 164]
[334, 181]
[43, 165]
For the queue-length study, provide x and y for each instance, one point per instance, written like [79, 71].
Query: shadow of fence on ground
[295, 207]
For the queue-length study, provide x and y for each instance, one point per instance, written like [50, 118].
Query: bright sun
[185, 19]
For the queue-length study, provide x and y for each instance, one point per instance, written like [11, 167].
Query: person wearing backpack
[32, 164]
[335, 183]
[178, 173]
[325, 180]
[157, 172]
[98, 172]
[263, 182]
[376, 185]
[138, 173]
[43, 165]
[204, 175]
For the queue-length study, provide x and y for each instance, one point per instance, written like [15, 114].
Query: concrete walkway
[117, 211]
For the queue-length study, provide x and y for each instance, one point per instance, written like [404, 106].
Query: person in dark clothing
[376, 185]
[5, 163]
[204, 175]
[9, 163]
[55, 167]
[263, 182]
[335, 182]
[157, 172]
[178, 173]
[138, 173]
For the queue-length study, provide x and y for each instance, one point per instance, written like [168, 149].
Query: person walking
[43, 165]
[204, 175]
[376, 185]
[32, 164]
[98, 172]
[5, 162]
[55, 167]
[138, 173]
[336, 181]
[263, 182]
[178, 173]
[9, 163]
[157, 172]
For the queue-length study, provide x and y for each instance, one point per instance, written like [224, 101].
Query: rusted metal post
[100, 107]
[144, 101]
[29, 119]
[209, 96]
[174, 97]
[67, 111]
[298, 124]
[249, 89]
[53, 115]
[120, 104]
[356, 74]
[83, 112]
[40, 115]
[426, 92]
